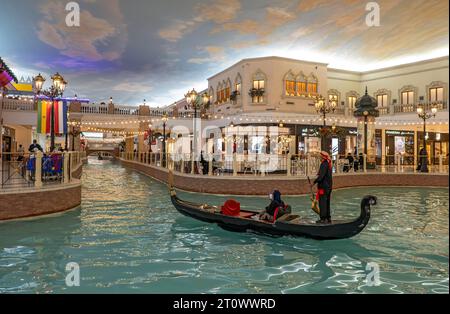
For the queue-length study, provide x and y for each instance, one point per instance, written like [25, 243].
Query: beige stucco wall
[419, 75]
[23, 136]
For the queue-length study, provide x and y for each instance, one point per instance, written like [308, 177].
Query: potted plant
[256, 92]
[234, 95]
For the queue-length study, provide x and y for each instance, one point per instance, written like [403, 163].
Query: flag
[60, 117]
[43, 123]
[45, 117]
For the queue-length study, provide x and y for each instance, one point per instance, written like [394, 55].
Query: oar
[314, 204]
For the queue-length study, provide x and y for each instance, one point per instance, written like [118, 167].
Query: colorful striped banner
[61, 117]
[43, 124]
[56, 119]
[45, 116]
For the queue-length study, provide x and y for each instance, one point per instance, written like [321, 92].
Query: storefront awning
[6, 75]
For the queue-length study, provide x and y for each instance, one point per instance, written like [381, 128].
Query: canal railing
[34, 170]
[282, 165]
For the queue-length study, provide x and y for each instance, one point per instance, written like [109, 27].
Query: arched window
[352, 96]
[436, 92]
[227, 90]
[301, 84]
[289, 84]
[312, 84]
[211, 94]
[218, 91]
[238, 84]
[258, 87]
[334, 96]
[383, 97]
[408, 95]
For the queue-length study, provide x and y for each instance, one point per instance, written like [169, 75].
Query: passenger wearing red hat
[324, 182]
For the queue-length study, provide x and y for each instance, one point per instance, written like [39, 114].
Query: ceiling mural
[157, 50]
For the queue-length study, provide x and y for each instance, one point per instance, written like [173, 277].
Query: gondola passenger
[275, 203]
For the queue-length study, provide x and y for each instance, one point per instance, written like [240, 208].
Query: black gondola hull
[336, 230]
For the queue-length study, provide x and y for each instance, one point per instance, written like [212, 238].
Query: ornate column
[366, 113]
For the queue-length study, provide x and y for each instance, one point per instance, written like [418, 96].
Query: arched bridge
[94, 149]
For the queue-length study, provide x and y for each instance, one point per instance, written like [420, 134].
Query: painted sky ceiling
[157, 50]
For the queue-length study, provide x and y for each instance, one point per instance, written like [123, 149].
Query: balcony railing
[27, 170]
[18, 104]
[28, 105]
[94, 109]
[279, 165]
[412, 108]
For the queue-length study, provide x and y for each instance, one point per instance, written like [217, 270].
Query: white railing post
[441, 163]
[192, 163]
[210, 165]
[66, 167]
[234, 165]
[38, 170]
[288, 164]
[261, 168]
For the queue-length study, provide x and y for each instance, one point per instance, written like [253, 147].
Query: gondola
[286, 225]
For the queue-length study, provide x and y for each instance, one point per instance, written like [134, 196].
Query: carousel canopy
[366, 106]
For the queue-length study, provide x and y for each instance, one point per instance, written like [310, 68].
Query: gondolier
[324, 182]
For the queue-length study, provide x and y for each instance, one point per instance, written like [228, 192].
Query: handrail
[25, 170]
[281, 165]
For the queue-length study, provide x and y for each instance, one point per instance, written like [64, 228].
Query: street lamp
[196, 102]
[164, 119]
[421, 112]
[56, 90]
[324, 107]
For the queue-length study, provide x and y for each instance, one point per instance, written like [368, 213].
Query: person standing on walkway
[35, 147]
[20, 152]
[324, 183]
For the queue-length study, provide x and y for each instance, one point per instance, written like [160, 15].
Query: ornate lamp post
[324, 107]
[196, 102]
[421, 112]
[56, 90]
[164, 119]
[366, 112]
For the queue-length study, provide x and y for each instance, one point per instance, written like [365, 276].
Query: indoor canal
[128, 238]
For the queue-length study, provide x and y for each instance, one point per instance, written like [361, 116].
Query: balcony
[18, 105]
[94, 109]
[412, 108]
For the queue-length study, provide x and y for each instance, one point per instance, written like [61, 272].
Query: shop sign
[400, 133]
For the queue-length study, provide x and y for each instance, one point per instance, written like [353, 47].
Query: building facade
[274, 91]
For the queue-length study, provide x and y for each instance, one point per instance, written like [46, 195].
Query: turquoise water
[127, 237]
